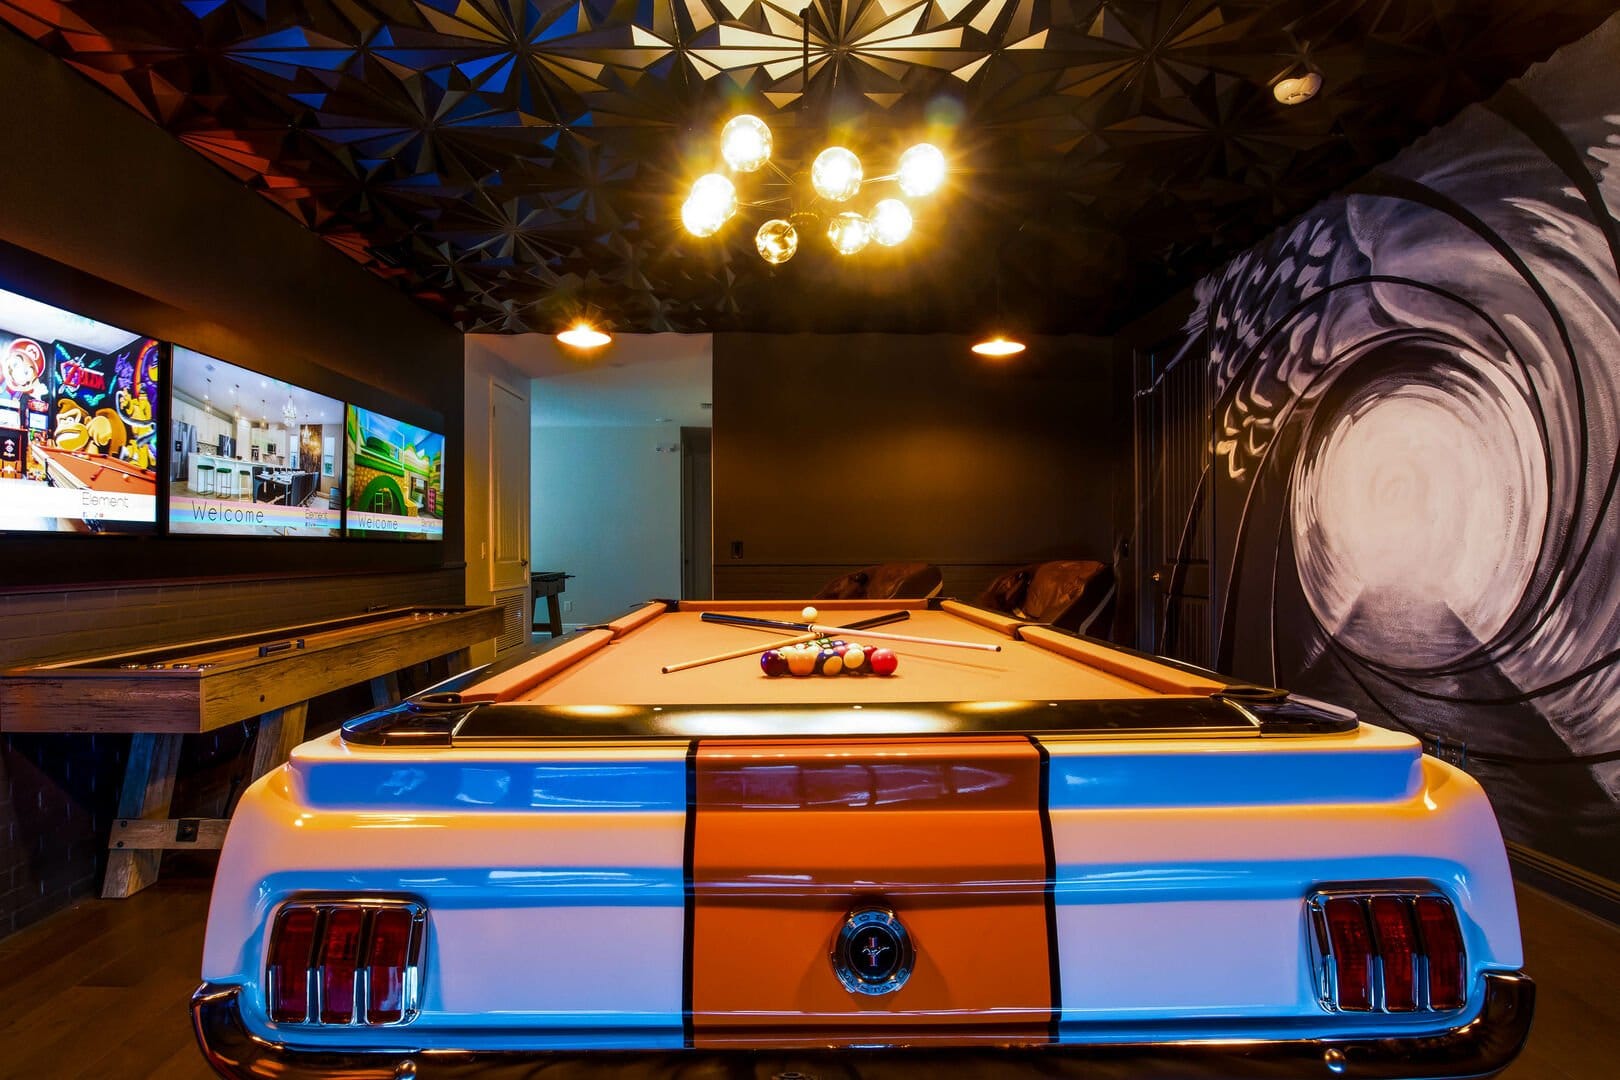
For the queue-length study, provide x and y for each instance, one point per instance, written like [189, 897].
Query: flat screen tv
[394, 472]
[79, 450]
[250, 455]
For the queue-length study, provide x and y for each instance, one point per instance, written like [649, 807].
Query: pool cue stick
[780, 624]
[833, 631]
[752, 650]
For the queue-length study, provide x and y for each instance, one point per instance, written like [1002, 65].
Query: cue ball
[884, 661]
[809, 614]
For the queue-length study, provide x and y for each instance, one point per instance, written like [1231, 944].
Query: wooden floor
[101, 989]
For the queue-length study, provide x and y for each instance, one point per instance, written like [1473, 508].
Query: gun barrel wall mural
[1411, 464]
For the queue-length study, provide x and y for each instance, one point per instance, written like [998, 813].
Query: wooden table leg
[279, 731]
[147, 793]
[385, 690]
[554, 609]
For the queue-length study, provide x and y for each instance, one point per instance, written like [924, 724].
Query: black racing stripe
[1054, 969]
[688, 855]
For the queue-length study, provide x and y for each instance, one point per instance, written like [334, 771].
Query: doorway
[697, 514]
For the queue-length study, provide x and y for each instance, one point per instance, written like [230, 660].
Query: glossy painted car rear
[1064, 899]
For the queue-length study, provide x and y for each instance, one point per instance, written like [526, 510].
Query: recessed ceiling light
[999, 347]
[583, 336]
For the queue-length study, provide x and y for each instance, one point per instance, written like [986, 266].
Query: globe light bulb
[1297, 91]
[776, 240]
[836, 174]
[711, 204]
[891, 222]
[745, 143]
[849, 232]
[922, 170]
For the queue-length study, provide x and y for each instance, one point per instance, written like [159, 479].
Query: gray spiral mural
[1413, 468]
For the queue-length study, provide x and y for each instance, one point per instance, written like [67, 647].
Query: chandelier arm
[777, 169]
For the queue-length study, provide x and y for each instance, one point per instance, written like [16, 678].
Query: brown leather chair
[885, 581]
[1073, 594]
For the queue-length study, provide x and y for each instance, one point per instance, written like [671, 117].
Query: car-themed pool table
[1057, 858]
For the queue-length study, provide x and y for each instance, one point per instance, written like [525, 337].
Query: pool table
[1054, 858]
[95, 472]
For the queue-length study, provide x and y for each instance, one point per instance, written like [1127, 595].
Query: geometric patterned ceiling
[515, 163]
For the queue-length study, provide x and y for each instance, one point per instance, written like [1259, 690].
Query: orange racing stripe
[791, 835]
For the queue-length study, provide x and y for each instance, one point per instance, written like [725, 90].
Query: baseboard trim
[1586, 890]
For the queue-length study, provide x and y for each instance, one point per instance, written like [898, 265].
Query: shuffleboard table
[162, 693]
[1057, 858]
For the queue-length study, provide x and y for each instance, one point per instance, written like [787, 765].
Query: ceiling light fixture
[1297, 90]
[999, 347]
[584, 336]
[814, 200]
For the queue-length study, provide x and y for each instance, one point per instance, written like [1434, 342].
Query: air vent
[514, 620]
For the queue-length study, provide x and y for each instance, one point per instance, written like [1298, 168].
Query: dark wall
[1411, 505]
[835, 451]
[104, 213]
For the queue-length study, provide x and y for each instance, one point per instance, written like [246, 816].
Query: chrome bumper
[1481, 1047]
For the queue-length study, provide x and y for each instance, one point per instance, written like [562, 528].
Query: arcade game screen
[78, 422]
[395, 477]
[250, 455]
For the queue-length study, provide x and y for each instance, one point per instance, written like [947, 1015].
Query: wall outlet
[1451, 752]
[568, 607]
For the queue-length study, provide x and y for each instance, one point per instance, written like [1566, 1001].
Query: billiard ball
[773, 663]
[809, 614]
[884, 661]
[854, 660]
[829, 663]
[801, 662]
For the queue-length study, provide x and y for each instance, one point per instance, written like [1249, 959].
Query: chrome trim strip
[1478, 1047]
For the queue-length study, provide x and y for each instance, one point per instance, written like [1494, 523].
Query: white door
[508, 488]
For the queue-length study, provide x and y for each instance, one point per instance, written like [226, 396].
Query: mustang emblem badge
[872, 953]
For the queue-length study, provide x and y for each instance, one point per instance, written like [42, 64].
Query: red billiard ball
[883, 661]
[773, 663]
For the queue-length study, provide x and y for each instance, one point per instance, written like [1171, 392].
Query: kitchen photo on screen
[251, 455]
[78, 422]
[395, 477]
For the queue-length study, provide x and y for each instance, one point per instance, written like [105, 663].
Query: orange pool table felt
[620, 663]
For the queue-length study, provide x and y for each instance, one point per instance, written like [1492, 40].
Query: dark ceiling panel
[514, 163]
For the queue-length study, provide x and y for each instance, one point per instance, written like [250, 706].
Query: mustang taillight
[1388, 951]
[339, 962]
[1442, 943]
[288, 977]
